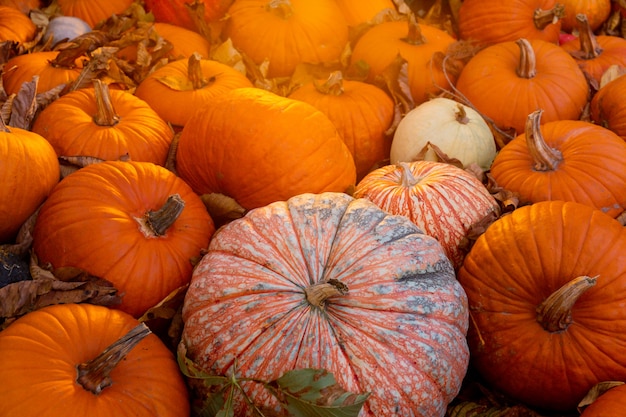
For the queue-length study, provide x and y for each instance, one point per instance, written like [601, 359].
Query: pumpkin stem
[317, 294]
[280, 8]
[461, 114]
[545, 157]
[589, 47]
[95, 375]
[415, 36]
[156, 222]
[407, 179]
[3, 126]
[555, 312]
[527, 67]
[105, 113]
[543, 18]
[194, 72]
[332, 86]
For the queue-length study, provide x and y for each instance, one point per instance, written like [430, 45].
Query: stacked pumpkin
[329, 201]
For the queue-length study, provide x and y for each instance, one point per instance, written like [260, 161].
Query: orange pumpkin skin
[29, 171]
[15, 25]
[493, 21]
[597, 11]
[175, 12]
[93, 12]
[380, 46]
[40, 352]
[490, 81]
[592, 169]
[610, 403]
[442, 200]
[608, 107]
[22, 68]
[91, 221]
[358, 12]
[24, 6]
[361, 112]
[176, 103]
[258, 147]
[258, 270]
[287, 33]
[68, 124]
[521, 260]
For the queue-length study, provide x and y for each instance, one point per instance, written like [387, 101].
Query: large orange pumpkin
[287, 33]
[597, 11]
[359, 12]
[258, 147]
[611, 402]
[24, 6]
[608, 107]
[135, 224]
[15, 25]
[176, 12]
[93, 12]
[29, 170]
[53, 362]
[546, 286]
[330, 282]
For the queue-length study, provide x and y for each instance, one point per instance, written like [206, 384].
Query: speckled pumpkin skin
[399, 333]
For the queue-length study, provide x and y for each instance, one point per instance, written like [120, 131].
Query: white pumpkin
[456, 129]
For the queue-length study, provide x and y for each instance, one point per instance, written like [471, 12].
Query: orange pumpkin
[29, 172]
[358, 12]
[418, 44]
[363, 113]
[178, 88]
[287, 33]
[442, 200]
[597, 11]
[330, 282]
[53, 362]
[507, 81]
[569, 160]
[546, 286]
[488, 22]
[41, 64]
[135, 224]
[105, 124]
[15, 25]
[611, 402]
[608, 107]
[24, 6]
[93, 12]
[258, 147]
[176, 12]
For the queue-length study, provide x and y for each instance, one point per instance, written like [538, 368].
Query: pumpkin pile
[312, 208]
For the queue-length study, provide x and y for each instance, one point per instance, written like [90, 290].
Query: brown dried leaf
[167, 315]
[395, 80]
[596, 391]
[222, 208]
[170, 161]
[507, 199]
[70, 164]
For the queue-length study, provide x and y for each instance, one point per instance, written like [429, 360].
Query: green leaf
[190, 370]
[315, 393]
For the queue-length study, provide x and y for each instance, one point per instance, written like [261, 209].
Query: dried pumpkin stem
[194, 72]
[555, 312]
[105, 113]
[543, 18]
[95, 375]
[162, 219]
[280, 8]
[461, 114]
[527, 66]
[333, 85]
[415, 35]
[3, 126]
[544, 157]
[317, 294]
[589, 47]
[407, 179]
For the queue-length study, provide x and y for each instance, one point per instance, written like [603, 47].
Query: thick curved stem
[545, 158]
[332, 86]
[543, 18]
[555, 312]
[415, 36]
[589, 47]
[105, 113]
[317, 294]
[194, 72]
[461, 114]
[527, 66]
[407, 179]
[155, 223]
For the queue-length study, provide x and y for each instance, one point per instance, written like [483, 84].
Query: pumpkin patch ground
[312, 208]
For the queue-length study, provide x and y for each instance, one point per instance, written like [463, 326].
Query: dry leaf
[596, 391]
[222, 208]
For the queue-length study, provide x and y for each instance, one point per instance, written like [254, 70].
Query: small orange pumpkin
[359, 12]
[176, 12]
[93, 12]
[608, 107]
[15, 25]
[597, 11]
[24, 6]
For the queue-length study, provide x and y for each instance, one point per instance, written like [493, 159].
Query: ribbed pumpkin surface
[398, 332]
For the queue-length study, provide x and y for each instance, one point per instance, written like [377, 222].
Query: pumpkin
[507, 81]
[93, 12]
[54, 361]
[489, 22]
[595, 54]
[418, 44]
[29, 170]
[178, 88]
[456, 129]
[257, 147]
[176, 12]
[597, 12]
[442, 200]
[358, 12]
[105, 124]
[287, 33]
[330, 282]
[64, 28]
[25, 6]
[135, 224]
[569, 160]
[363, 113]
[611, 402]
[15, 25]
[608, 108]
[546, 286]
[43, 65]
